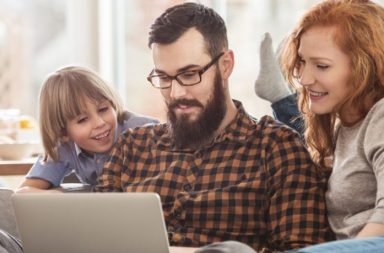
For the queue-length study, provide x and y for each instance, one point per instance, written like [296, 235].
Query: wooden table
[13, 168]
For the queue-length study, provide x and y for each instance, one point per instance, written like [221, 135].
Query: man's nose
[177, 90]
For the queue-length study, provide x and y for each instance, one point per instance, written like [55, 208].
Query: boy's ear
[64, 136]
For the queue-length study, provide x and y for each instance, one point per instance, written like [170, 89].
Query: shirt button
[176, 227]
[170, 237]
[177, 213]
[187, 187]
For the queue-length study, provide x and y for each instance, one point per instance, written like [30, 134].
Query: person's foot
[270, 84]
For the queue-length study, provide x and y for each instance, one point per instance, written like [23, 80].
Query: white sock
[270, 84]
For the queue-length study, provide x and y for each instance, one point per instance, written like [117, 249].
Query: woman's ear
[227, 63]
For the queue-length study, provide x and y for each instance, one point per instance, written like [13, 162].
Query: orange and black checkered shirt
[255, 183]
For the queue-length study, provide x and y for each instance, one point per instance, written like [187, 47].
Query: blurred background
[110, 36]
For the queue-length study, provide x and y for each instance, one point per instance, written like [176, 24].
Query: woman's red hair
[358, 30]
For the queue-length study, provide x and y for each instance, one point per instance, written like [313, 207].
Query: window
[33, 42]
[39, 36]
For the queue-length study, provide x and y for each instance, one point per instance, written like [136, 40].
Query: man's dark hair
[176, 20]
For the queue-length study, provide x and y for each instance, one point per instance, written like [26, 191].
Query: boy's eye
[81, 120]
[103, 109]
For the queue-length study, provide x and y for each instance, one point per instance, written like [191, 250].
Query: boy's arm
[43, 176]
[34, 185]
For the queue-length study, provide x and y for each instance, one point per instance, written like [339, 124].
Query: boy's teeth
[101, 136]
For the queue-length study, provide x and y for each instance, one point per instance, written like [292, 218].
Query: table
[16, 167]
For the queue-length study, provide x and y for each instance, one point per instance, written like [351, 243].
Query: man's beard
[192, 134]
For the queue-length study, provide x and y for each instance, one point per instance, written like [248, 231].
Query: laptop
[91, 222]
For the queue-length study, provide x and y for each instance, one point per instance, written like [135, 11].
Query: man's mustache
[184, 102]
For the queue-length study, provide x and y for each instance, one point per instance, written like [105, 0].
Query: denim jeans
[286, 111]
[366, 245]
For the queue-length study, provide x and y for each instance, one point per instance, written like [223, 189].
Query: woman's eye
[322, 66]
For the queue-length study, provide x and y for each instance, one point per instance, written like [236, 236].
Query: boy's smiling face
[94, 129]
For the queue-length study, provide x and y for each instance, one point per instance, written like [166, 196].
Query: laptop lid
[91, 222]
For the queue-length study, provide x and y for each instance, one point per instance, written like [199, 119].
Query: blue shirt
[72, 158]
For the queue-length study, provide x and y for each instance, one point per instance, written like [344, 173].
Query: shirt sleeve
[110, 178]
[51, 171]
[374, 150]
[297, 213]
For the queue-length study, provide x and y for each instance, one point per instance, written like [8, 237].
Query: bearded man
[221, 174]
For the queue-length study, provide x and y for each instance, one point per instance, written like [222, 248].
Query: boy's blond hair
[62, 98]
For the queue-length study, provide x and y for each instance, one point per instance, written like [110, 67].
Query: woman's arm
[371, 229]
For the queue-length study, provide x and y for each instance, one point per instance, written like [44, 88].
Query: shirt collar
[238, 129]
[77, 149]
[80, 152]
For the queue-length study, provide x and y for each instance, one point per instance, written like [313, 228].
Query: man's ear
[227, 62]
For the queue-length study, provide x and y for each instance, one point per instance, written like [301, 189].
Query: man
[221, 174]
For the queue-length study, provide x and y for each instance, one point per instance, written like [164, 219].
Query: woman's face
[324, 71]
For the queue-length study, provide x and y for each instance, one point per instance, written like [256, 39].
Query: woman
[336, 57]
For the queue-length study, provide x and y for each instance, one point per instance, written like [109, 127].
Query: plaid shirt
[255, 183]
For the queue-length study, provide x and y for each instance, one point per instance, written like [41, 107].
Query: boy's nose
[99, 121]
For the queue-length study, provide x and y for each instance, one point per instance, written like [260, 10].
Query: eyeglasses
[185, 78]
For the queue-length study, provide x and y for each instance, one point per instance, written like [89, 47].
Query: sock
[270, 84]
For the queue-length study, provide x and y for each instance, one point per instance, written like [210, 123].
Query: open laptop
[91, 222]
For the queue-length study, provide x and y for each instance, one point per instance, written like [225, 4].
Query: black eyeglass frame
[175, 77]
